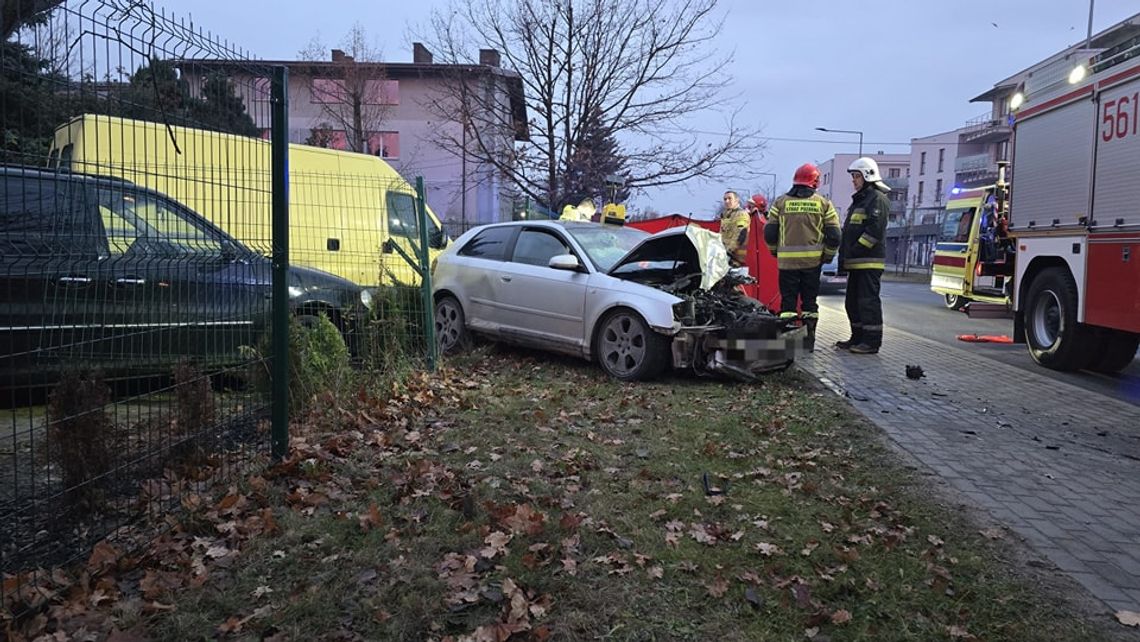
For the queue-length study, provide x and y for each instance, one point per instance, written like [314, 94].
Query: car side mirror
[565, 262]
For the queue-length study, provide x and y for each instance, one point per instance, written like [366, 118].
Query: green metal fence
[178, 281]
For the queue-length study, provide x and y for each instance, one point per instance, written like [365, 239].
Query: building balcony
[897, 184]
[985, 129]
[977, 162]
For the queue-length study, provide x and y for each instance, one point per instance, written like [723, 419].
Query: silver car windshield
[605, 244]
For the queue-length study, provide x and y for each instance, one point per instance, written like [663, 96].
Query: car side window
[143, 223]
[491, 243]
[537, 247]
[44, 217]
[121, 235]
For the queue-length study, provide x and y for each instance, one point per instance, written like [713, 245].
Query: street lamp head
[821, 129]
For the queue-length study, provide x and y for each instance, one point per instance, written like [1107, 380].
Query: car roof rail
[26, 170]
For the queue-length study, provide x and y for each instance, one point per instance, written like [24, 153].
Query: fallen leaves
[1128, 618]
[496, 544]
[717, 587]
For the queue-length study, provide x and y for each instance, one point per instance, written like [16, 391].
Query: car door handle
[506, 278]
[129, 280]
[73, 280]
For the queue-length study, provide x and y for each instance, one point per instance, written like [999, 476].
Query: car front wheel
[450, 325]
[628, 349]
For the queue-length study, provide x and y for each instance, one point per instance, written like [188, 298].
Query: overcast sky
[894, 69]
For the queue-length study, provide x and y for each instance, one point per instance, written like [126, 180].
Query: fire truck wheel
[955, 301]
[1114, 351]
[1055, 338]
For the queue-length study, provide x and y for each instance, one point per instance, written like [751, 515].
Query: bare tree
[351, 89]
[644, 68]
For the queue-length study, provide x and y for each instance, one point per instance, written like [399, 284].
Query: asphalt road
[914, 308]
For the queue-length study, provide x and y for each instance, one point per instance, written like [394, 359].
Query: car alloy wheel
[450, 326]
[624, 344]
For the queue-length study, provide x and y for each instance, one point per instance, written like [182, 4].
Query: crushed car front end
[717, 328]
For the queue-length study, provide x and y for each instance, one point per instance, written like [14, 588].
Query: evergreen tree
[596, 156]
[30, 108]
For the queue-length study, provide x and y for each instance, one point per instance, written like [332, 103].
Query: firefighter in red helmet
[803, 233]
[758, 205]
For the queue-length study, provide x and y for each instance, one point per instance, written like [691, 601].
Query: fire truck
[1068, 235]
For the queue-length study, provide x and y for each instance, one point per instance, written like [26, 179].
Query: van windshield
[956, 226]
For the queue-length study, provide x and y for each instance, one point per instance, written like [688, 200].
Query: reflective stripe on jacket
[865, 229]
[802, 229]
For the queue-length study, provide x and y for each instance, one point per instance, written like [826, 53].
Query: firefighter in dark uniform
[803, 233]
[734, 224]
[863, 256]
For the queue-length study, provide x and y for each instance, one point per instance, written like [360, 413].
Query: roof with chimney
[421, 67]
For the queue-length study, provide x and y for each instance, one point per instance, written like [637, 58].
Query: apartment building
[402, 125]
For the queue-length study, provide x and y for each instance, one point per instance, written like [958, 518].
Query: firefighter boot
[809, 341]
[856, 339]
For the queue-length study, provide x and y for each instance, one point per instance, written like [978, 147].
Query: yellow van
[343, 206]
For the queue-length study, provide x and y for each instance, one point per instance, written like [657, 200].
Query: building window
[326, 91]
[921, 185]
[938, 191]
[893, 172]
[941, 159]
[383, 144]
[261, 90]
[922, 164]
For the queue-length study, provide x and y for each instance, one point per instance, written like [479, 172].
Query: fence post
[425, 270]
[280, 322]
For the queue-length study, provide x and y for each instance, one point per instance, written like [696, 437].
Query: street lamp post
[845, 131]
[772, 194]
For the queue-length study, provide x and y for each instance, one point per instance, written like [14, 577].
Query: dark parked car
[98, 271]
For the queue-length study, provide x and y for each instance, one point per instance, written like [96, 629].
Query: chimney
[420, 54]
[338, 55]
[489, 57]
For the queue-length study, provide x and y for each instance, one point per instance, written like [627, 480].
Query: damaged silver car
[635, 303]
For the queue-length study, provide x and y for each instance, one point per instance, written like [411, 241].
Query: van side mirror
[436, 238]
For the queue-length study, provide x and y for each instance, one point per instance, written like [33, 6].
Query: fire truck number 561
[1119, 117]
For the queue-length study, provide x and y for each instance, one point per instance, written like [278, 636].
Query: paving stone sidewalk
[1057, 464]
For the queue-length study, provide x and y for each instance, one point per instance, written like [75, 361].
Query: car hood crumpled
[674, 254]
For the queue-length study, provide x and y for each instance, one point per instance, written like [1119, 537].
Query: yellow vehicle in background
[970, 262]
[343, 207]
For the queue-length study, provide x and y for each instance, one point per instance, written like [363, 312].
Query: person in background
[758, 205]
[734, 224]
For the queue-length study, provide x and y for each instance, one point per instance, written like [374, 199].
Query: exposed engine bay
[721, 330]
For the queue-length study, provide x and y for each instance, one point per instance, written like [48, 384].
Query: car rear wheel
[450, 325]
[628, 349]
[955, 301]
[1056, 340]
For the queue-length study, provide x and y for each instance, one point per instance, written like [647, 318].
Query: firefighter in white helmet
[862, 255]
